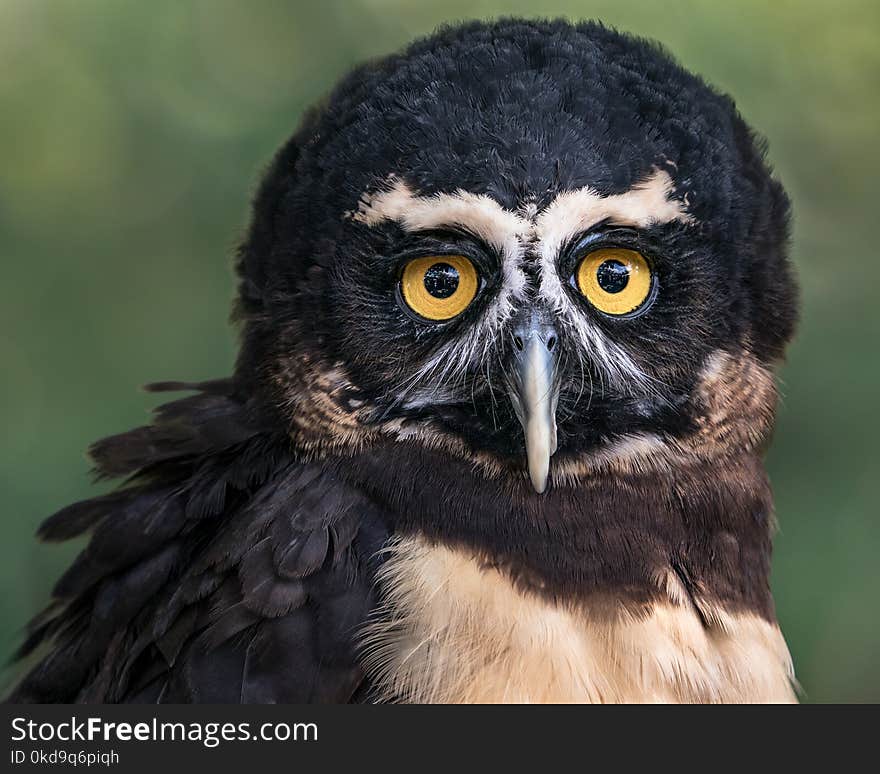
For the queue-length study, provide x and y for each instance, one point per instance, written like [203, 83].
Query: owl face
[542, 260]
[526, 331]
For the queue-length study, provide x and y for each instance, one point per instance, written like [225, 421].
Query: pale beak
[534, 393]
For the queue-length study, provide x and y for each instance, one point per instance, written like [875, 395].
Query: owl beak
[534, 392]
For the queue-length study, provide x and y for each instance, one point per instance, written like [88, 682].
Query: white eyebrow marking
[647, 203]
[478, 213]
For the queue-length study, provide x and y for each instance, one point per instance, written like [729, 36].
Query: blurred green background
[131, 135]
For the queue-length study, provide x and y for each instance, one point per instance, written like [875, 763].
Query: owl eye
[614, 280]
[439, 287]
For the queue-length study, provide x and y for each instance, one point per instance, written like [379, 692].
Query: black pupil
[441, 280]
[612, 276]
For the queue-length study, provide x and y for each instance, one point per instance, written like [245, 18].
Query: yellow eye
[614, 280]
[439, 287]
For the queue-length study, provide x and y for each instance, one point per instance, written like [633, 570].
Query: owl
[510, 306]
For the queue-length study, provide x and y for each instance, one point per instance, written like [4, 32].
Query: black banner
[235, 738]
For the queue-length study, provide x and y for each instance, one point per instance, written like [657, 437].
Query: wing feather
[223, 570]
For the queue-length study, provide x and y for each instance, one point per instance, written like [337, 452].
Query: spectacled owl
[510, 306]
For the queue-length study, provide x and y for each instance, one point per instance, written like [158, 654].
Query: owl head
[540, 248]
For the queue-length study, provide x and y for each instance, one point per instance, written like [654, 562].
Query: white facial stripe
[614, 364]
[573, 212]
[510, 233]
[479, 214]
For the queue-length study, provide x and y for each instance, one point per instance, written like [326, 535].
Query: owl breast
[454, 630]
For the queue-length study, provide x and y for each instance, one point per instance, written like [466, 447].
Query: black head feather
[520, 112]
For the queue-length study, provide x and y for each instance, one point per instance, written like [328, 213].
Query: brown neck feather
[703, 530]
